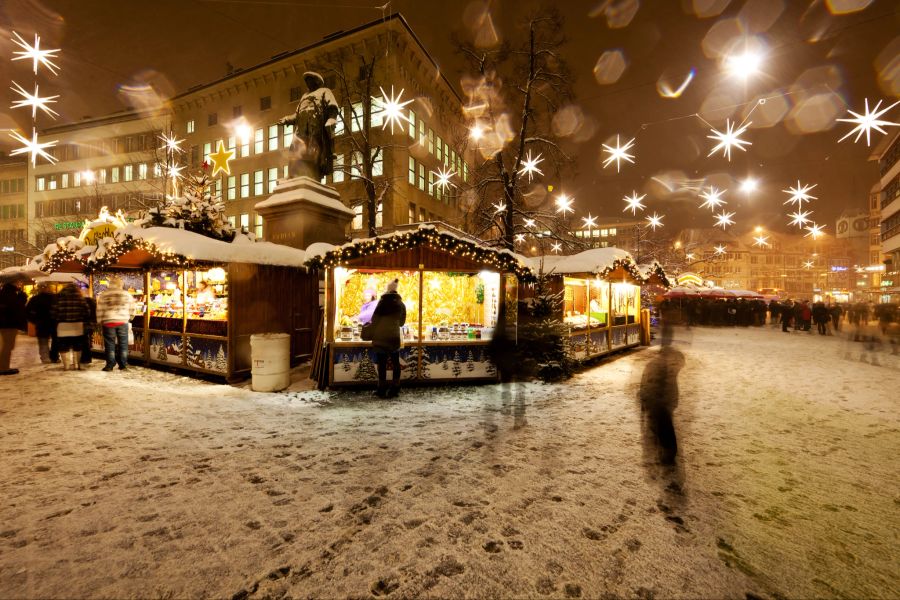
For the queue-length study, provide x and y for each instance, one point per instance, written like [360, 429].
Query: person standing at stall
[114, 309]
[70, 311]
[38, 312]
[89, 326]
[12, 320]
[388, 318]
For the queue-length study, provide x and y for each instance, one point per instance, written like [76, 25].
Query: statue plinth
[302, 211]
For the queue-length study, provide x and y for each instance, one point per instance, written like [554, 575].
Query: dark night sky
[175, 44]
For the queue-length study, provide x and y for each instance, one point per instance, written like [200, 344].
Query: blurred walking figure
[787, 312]
[12, 320]
[38, 313]
[114, 309]
[70, 311]
[659, 398]
[87, 341]
[388, 318]
[821, 317]
[836, 312]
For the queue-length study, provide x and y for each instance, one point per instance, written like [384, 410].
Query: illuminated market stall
[197, 299]
[452, 287]
[601, 291]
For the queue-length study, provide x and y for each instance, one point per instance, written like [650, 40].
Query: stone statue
[312, 150]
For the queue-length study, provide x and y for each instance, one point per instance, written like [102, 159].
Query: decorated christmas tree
[457, 368]
[195, 210]
[221, 363]
[366, 369]
[544, 338]
[426, 363]
[345, 362]
[470, 361]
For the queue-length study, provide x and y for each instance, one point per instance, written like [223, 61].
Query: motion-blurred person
[87, 339]
[12, 320]
[38, 312]
[70, 311]
[659, 398]
[821, 317]
[836, 311]
[114, 309]
[787, 316]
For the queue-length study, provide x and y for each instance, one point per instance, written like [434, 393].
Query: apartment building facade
[112, 161]
[888, 156]
[244, 109]
[14, 248]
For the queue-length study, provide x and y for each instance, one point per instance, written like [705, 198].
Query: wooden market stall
[601, 298]
[198, 299]
[452, 287]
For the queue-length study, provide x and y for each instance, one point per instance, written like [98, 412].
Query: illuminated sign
[872, 268]
[68, 225]
[95, 234]
[8, 249]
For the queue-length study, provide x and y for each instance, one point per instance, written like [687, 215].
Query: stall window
[459, 306]
[166, 300]
[206, 308]
[357, 293]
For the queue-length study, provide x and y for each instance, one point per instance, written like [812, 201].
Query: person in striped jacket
[115, 307]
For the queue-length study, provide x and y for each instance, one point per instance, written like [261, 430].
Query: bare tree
[519, 88]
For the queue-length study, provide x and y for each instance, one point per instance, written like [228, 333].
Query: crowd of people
[796, 315]
[64, 323]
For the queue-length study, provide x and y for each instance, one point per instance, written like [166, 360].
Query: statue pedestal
[302, 211]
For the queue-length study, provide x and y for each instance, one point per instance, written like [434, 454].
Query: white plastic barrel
[270, 355]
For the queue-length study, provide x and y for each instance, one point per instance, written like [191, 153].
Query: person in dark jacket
[71, 313]
[388, 318]
[821, 317]
[12, 320]
[787, 315]
[836, 312]
[87, 339]
[38, 312]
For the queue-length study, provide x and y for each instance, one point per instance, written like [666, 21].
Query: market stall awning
[599, 262]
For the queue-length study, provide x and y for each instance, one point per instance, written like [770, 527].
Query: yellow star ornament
[220, 159]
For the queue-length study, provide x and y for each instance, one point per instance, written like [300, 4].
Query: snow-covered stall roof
[170, 241]
[595, 261]
[322, 255]
[652, 268]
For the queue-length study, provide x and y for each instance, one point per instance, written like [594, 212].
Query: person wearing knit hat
[388, 318]
[115, 307]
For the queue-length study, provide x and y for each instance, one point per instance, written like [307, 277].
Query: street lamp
[749, 185]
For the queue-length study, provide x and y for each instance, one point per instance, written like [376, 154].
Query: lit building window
[377, 162]
[412, 124]
[245, 149]
[357, 217]
[288, 134]
[114, 174]
[273, 137]
[76, 179]
[232, 144]
[379, 212]
[338, 175]
[377, 112]
[422, 177]
[191, 126]
[411, 213]
[339, 122]
[232, 183]
[245, 222]
[52, 185]
[258, 227]
[101, 175]
[439, 148]
[245, 185]
[430, 141]
[129, 172]
[64, 181]
[259, 143]
[356, 117]
[142, 171]
[258, 183]
[273, 179]
[412, 171]
[232, 220]
[207, 150]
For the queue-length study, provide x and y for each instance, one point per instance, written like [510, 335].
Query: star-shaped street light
[174, 171]
[730, 138]
[35, 54]
[689, 256]
[799, 194]
[719, 250]
[499, 207]
[712, 198]
[865, 123]
[393, 109]
[800, 218]
[220, 159]
[808, 264]
[761, 240]
[634, 202]
[618, 153]
[520, 237]
[815, 231]
[443, 178]
[529, 223]
[173, 144]
[723, 219]
[564, 204]
[34, 101]
[476, 132]
[589, 221]
[654, 221]
[32, 147]
[556, 247]
[529, 165]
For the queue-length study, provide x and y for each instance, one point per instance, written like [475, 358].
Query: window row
[359, 212]
[141, 142]
[12, 235]
[261, 140]
[118, 174]
[431, 184]
[12, 211]
[12, 186]
[440, 149]
[243, 221]
[91, 205]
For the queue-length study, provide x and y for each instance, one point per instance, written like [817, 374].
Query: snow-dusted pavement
[145, 484]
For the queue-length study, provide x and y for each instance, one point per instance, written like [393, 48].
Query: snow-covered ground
[146, 484]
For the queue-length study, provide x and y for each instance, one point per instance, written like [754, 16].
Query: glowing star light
[556, 247]
[35, 54]
[723, 219]
[443, 178]
[808, 264]
[761, 240]
[815, 231]
[220, 159]
[589, 221]
[654, 221]
[520, 237]
[529, 223]
[865, 123]
[730, 138]
[634, 202]
[564, 204]
[618, 154]
[719, 250]
[32, 147]
[712, 198]
[499, 207]
[800, 218]
[799, 194]
[393, 109]
[529, 166]
[34, 101]
[172, 142]
[174, 171]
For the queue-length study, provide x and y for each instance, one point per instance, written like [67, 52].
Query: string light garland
[113, 249]
[500, 260]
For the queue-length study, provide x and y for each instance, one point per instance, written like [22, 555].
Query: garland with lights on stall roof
[197, 210]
